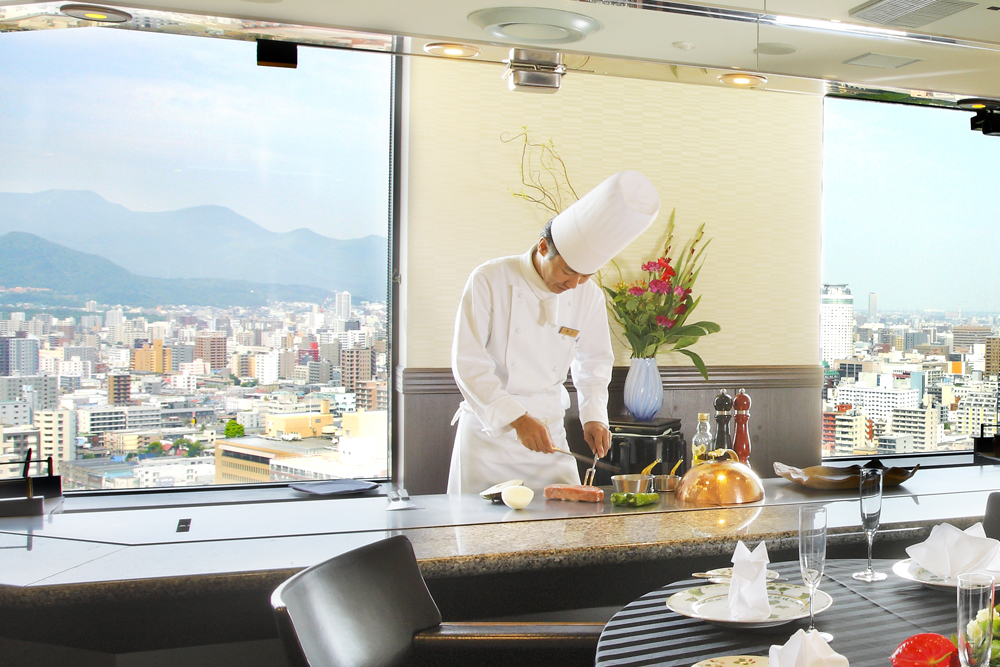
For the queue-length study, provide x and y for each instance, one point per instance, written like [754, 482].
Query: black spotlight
[987, 122]
[271, 53]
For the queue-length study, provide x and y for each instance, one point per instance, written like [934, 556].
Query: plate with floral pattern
[789, 602]
[909, 570]
[734, 661]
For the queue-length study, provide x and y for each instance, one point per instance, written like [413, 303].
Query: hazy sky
[911, 207]
[160, 122]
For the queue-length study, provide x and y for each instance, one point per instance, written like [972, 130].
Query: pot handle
[719, 454]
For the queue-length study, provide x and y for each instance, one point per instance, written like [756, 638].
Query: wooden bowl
[832, 477]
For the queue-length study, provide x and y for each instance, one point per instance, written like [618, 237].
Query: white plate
[710, 603]
[722, 575]
[734, 661]
[907, 569]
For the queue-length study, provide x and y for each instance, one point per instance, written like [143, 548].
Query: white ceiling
[637, 41]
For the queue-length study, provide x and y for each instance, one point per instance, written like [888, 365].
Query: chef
[523, 322]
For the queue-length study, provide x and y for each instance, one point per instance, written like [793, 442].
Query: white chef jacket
[514, 342]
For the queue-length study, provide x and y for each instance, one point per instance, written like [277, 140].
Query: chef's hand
[598, 437]
[533, 434]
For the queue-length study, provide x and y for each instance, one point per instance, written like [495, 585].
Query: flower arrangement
[653, 311]
[977, 629]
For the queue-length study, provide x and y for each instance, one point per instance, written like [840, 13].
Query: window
[909, 311]
[202, 243]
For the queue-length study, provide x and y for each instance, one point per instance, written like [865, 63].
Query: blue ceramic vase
[643, 389]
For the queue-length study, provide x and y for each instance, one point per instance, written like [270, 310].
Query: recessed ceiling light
[774, 49]
[743, 80]
[683, 46]
[534, 25]
[451, 50]
[96, 13]
[834, 20]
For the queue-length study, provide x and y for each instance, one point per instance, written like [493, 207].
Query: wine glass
[975, 634]
[812, 554]
[871, 509]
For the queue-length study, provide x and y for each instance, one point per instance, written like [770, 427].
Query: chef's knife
[589, 461]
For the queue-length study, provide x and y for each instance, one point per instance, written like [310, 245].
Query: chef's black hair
[547, 235]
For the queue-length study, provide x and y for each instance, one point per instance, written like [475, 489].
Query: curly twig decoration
[543, 174]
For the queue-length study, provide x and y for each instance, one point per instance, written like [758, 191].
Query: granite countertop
[89, 552]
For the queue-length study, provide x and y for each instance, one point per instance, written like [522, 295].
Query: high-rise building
[967, 336]
[877, 402]
[91, 307]
[114, 318]
[119, 388]
[56, 435]
[357, 366]
[921, 423]
[342, 306]
[42, 390]
[20, 356]
[872, 306]
[153, 358]
[992, 355]
[836, 321]
[181, 353]
[210, 347]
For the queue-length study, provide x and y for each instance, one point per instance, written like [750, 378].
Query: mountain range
[196, 243]
[27, 260]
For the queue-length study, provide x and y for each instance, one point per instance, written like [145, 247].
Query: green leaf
[710, 327]
[686, 341]
[699, 364]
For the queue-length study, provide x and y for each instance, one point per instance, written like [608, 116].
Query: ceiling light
[743, 80]
[451, 50]
[96, 13]
[774, 49]
[976, 103]
[683, 46]
[534, 25]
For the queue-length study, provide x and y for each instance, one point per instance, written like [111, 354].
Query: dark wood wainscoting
[785, 418]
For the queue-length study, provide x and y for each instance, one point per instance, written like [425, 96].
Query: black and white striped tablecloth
[867, 621]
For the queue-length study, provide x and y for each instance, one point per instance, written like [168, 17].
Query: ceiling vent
[881, 61]
[908, 13]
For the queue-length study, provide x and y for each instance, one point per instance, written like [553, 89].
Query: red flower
[681, 309]
[664, 262]
[925, 650]
[651, 267]
[659, 286]
[637, 290]
[679, 291]
[668, 273]
[662, 320]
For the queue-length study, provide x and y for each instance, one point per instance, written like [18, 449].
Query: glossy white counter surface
[452, 535]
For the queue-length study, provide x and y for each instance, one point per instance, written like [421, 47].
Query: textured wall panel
[746, 163]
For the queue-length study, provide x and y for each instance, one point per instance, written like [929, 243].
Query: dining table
[867, 621]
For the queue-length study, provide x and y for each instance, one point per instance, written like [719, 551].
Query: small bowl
[666, 482]
[632, 483]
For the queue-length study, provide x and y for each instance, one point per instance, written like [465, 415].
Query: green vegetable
[633, 499]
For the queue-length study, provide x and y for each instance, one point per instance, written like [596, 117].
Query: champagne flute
[812, 554]
[975, 634]
[871, 510]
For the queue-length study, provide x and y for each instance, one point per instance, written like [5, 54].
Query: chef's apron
[479, 460]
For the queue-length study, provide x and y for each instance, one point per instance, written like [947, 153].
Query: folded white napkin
[805, 650]
[748, 587]
[948, 551]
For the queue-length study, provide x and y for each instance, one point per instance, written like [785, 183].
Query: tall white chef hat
[601, 224]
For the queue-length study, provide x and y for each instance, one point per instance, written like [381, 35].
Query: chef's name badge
[566, 331]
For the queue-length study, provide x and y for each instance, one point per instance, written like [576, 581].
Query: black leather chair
[991, 520]
[370, 607]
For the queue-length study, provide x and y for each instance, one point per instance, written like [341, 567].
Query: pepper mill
[741, 439]
[723, 404]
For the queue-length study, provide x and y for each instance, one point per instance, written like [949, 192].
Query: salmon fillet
[587, 494]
